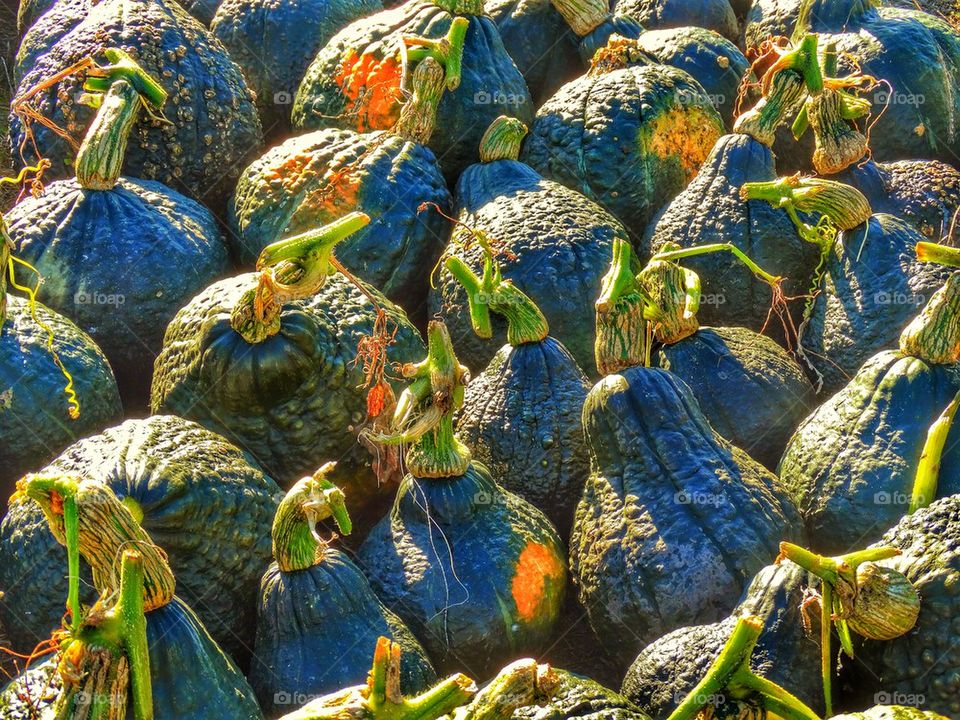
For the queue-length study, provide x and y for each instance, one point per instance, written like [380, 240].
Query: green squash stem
[617, 54]
[296, 544]
[730, 674]
[937, 253]
[928, 470]
[292, 268]
[934, 335]
[844, 205]
[502, 139]
[448, 50]
[623, 334]
[418, 115]
[520, 684]
[6, 248]
[123, 67]
[837, 144]
[583, 16]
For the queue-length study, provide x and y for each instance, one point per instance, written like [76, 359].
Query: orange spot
[372, 87]
[56, 503]
[537, 568]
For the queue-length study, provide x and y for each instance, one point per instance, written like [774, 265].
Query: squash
[197, 495]
[43, 410]
[669, 504]
[851, 465]
[557, 243]
[521, 415]
[119, 256]
[668, 669]
[629, 138]
[272, 360]
[356, 81]
[922, 104]
[29, 10]
[892, 712]
[312, 597]
[714, 15]
[388, 175]
[210, 127]
[490, 571]
[274, 42]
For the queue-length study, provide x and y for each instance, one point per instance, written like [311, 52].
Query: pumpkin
[851, 465]
[38, 418]
[715, 15]
[311, 598]
[274, 42]
[556, 241]
[315, 178]
[629, 138]
[921, 105]
[198, 496]
[668, 504]
[490, 569]
[270, 360]
[210, 125]
[357, 79]
[521, 415]
[668, 669]
[119, 256]
[30, 10]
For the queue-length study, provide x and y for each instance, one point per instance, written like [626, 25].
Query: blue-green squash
[715, 15]
[29, 10]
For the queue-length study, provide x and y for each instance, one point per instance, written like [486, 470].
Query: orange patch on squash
[537, 567]
[372, 87]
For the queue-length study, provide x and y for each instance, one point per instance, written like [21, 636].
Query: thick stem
[448, 50]
[940, 254]
[928, 470]
[776, 700]
[101, 156]
[844, 206]
[583, 16]
[619, 53]
[461, 7]
[934, 335]
[520, 684]
[502, 139]
[826, 658]
[674, 255]
[419, 114]
[123, 67]
[837, 144]
[674, 294]
[129, 612]
[787, 89]
[622, 331]
[71, 533]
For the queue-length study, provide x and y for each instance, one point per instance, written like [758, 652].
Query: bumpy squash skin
[710, 210]
[716, 15]
[580, 698]
[873, 285]
[30, 10]
[288, 191]
[925, 660]
[477, 573]
[629, 139]
[490, 86]
[891, 712]
[204, 502]
[901, 46]
[213, 125]
[34, 420]
[293, 401]
[562, 243]
[521, 418]
[119, 263]
[273, 41]
[749, 388]
[315, 628]
[673, 521]
[850, 466]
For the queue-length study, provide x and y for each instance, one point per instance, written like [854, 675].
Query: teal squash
[477, 573]
[715, 15]
[30, 10]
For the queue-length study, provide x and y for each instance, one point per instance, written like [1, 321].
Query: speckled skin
[34, 420]
[30, 10]
[925, 660]
[716, 15]
[316, 629]
[189, 675]
[288, 190]
[850, 466]
[521, 418]
[213, 126]
[445, 558]
[273, 42]
[119, 263]
[629, 139]
[710, 210]
[204, 502]
[674, 521]
[900, 46]
[562, 243]
[873, 286]
[668, 669]
[750, 389]
[295, 400]
[462, 116]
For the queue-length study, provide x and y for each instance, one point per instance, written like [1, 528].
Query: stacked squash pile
[481, 360]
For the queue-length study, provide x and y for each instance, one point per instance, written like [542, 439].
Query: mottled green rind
[295, 400]
[750, 389]
[521, 419]
[119, 263]
[204, 502]
[891, 712]
[213, 125]
[316, 630]
[674, 522]
[593, 135]
[716, 15]
[34, 420]
[562, 243]
[444, 560]
[850, 466]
